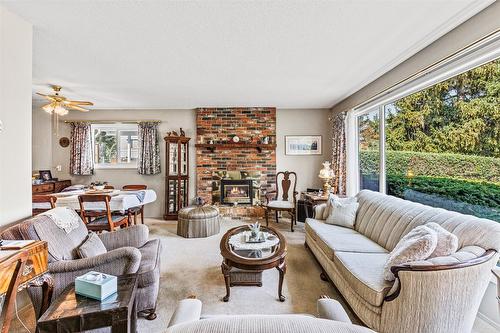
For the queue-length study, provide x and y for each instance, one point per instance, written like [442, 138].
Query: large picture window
[115, 145]
[442, 144]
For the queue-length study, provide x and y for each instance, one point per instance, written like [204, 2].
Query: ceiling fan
[60, 104]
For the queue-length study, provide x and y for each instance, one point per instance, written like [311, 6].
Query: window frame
[477, 54]
[118, 127]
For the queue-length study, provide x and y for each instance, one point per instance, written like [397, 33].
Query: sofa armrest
[332, 310]
[319, 210]
[134, 236]
[125, 260]
[396, 270]
[187, 310]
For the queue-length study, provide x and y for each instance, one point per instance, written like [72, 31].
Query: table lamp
[326, 174]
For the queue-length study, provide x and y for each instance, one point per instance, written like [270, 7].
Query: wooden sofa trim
[431, 268]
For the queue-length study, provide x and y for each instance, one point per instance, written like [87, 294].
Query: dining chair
[288, 200]
[135, 210]
[50, 200]
[100, 218]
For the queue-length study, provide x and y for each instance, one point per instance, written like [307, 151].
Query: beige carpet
[192, 267]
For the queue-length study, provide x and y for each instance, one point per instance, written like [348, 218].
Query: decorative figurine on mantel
[174, 133]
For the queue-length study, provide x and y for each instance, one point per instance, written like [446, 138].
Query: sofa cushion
[365, 274]
[341, 211]
[62, 245]
[149, 269]
[91, 247]
[331, 238]
[464, 254]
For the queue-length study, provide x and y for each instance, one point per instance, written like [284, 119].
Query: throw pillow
[447, 243]
[329, 205]
[418, 244]
[91, 247]
[342, 211]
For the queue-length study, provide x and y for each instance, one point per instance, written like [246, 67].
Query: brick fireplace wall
[220, 125]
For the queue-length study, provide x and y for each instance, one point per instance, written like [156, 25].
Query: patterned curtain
[81, 150]
[149, 149]
[339, 153]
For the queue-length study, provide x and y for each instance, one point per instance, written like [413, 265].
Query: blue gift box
[96, 285]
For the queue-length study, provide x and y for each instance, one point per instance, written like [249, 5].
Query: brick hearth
[220, 125]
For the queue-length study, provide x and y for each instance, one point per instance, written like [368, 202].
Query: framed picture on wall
[303, 145]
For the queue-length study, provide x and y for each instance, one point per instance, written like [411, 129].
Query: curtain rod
[112, 121]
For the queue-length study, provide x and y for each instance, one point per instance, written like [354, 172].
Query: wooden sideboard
[21, 269]
[49, 187]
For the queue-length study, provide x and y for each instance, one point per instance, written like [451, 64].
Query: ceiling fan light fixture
[60, 110]
[59, 104]
[49, 108]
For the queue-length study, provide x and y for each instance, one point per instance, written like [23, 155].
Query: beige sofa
[187, 318]
[437, 295]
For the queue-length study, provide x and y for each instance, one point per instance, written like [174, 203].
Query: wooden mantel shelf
[224, 146]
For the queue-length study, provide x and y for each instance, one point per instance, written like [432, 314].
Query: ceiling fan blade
[71, 106]
[79, 102]
[50, 98]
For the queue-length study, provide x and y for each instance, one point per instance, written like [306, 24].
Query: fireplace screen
[240, 191]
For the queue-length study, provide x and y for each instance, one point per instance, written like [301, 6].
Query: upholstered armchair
[129, 252]
[284, 198]
[331, 318]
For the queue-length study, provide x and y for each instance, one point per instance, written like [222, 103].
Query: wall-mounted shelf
[224, 146]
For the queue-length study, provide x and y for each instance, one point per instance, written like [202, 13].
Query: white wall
[41, 139]
[303, 122]
[15, 115]
[289, 122]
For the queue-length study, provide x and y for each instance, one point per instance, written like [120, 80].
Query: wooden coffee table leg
[225, 270]
[282, 270]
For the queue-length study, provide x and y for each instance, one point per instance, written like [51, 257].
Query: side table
[74, 313]
[20, 269]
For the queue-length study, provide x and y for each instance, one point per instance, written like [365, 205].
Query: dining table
[120, 201]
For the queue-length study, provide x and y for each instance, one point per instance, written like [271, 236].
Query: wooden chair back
[49, 199]
[134, 187]
[88, 214]
[286, 181]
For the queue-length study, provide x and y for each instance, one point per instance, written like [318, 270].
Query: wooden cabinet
[49, 187]
[177, 176]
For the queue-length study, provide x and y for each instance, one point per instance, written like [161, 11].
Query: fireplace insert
[240, 191]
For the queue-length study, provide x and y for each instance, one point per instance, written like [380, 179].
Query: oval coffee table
[253, 256]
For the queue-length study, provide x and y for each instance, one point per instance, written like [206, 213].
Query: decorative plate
[64, 142]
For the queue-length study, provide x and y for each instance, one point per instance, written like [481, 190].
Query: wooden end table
[252, 257]
[74, 313]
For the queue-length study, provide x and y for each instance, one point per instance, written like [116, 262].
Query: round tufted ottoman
[198, 221]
